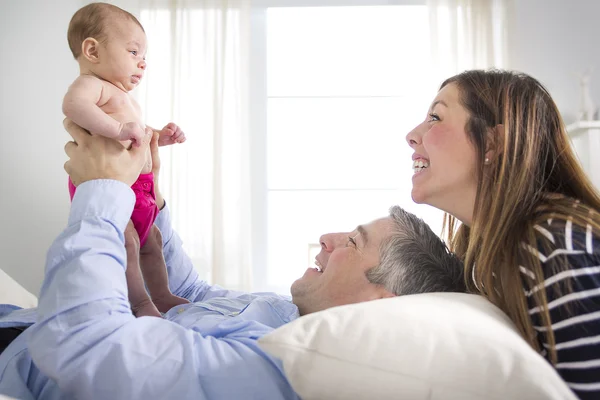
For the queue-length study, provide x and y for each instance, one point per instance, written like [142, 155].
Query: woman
[493, 153]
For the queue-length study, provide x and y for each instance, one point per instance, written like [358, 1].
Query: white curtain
[467, 34]
[197, 77]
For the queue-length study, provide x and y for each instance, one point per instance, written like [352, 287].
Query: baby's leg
[154, 269]
[141, 305]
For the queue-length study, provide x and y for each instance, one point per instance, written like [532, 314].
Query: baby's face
[122, 55]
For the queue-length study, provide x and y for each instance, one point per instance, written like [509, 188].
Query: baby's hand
[132, 131]
[171, 134]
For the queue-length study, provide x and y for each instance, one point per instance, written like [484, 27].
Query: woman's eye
[433, 117]
[134, 52]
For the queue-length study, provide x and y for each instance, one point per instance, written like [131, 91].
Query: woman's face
[444, 159]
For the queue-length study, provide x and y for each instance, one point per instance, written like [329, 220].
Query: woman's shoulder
[565, 237]
[566, 240]
[569, 254]
[565, 226]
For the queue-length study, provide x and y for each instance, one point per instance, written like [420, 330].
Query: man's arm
[183, 278]
[88, 341]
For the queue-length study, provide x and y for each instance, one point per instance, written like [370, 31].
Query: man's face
[344, 260]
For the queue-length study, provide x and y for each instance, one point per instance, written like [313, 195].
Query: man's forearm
[160, 200]
[87, 340]
[84, 279]
[183, 277]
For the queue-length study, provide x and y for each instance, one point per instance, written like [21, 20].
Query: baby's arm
[170, 134]
[80, 105]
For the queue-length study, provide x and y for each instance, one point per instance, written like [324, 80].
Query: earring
[487, 161]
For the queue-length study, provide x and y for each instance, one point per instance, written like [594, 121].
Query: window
[335, 90]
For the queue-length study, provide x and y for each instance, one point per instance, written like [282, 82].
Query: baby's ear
[89, 50]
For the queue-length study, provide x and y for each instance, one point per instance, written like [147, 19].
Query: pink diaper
[145, 210]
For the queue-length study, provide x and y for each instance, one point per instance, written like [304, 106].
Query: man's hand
[171, 134]
[98, 157]
[132, 131]
[160, 201]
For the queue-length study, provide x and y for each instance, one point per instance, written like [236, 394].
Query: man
[87, 344]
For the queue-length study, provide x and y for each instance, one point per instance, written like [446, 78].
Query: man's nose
[413, 138]
[142, 64]
[331, 241]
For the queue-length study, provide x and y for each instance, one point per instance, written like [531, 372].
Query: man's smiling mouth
[319, 266]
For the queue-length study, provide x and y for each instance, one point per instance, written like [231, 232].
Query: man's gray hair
[415, 260]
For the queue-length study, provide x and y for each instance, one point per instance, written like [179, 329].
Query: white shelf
[577, 128]
[585, 137]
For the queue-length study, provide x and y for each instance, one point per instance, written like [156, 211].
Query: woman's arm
[573, 296]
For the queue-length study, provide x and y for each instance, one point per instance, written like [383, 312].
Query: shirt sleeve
[183, 277]
[571, 265]
[88, 341]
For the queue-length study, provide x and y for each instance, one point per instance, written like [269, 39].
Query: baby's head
[110, 43]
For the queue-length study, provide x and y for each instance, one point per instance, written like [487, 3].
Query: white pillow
[432, 346]
[13, 293]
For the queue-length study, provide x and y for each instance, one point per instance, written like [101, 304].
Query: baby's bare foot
[145, 308]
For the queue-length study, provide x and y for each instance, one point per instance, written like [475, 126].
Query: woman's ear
[495, 144]
[89, 50]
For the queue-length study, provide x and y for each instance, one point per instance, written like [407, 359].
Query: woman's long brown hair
[532, 176]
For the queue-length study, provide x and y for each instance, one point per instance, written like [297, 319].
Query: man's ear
[89, 50]
[385, 294]
[494, 143]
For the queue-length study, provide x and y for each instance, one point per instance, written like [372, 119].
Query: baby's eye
[133, 52]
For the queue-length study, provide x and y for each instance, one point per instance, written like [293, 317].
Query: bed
[434, 346]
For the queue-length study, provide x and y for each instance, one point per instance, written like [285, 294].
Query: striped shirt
[573, 296]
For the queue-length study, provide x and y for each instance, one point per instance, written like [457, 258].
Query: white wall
[554, 40]
[550, 39]
[35, 70]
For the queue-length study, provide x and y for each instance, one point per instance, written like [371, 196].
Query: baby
[110, 46]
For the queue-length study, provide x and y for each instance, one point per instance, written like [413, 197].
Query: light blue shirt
[88, 345]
